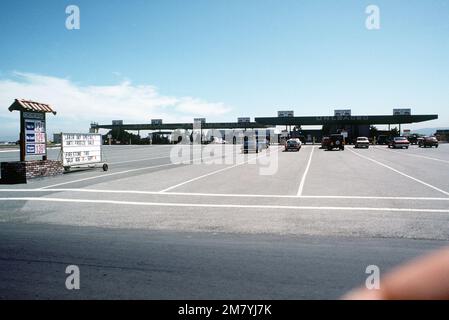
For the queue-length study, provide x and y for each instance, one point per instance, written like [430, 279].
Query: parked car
[302, 139]
[399, 142]
[428, 142]
[413, 138]
[336, 141]
[382, 139]
[293, 144]
[361, 142]
[324, 142]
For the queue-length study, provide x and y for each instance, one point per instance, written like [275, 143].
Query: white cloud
[78, 105]
[200, 107]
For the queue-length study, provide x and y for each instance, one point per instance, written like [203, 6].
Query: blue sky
[143, 59]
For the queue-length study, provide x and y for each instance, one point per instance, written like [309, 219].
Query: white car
[362, 142]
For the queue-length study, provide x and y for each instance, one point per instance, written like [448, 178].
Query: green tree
[373, 131]
[123, 136]
[394, 132]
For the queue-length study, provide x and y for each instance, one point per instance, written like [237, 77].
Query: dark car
[413, 139]
[324, 142]
[428, 142]
[336, 141]
[293, 144]
[302, 139]
[399, 142]
[382, 139]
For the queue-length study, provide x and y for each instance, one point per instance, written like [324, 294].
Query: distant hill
[429, 131]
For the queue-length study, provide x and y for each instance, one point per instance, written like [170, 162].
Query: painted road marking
[144, 159]
[303, 179]
[121, 162]
[137, 160]
[119, 172]
[159, 156]
[401, 173]
[237, 206]
[412, 155]
[223, 195]
[106, 175]
[213, 172]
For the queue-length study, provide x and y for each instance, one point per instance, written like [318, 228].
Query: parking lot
[269, 225]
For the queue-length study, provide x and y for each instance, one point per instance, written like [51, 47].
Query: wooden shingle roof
[27, 105]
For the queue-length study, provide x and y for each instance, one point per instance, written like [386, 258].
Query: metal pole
[22, 138]
[44, 157]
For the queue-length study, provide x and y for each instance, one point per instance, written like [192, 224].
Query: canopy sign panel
[80, 148]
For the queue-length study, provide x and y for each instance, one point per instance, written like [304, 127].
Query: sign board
[244, 120]
[199, 120]
[402, 112]
[117, 122]
[35, 136]
[156, 121]
[285, 114]
[342, 113]
[80, 148]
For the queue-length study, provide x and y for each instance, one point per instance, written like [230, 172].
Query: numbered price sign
[35, 136]
[35, 149]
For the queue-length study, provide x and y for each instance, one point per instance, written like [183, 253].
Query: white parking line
[164, 204]
[401, 173]
[105, 175]
[154, 158]
[412, 155]
[304, 176]
[113, 163]
[212, 173]
[220, 195]
[115, 173]
[137, 160]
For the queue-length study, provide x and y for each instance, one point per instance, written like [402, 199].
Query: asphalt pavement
[210, 222]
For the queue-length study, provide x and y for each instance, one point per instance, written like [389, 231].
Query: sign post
[33, 137]
[32, 143]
